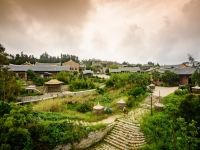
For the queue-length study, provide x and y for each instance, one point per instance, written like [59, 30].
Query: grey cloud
[59, 25]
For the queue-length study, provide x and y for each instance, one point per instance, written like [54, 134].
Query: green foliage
[108, 110]
[135, 101]
[170, 78]
[24, 92]
[9, 86]
[81, 84]
[176, 127]
[156, 76]
[85, 107]
[66, 77]
[100, 90]
[114, 66]
[37, 80]
[181, 92]
[136, 91]
[22, 58]
[189, 109]
[105, 99]
[196, 78]
[13, 127]
[48, 135]
[157, 131]
[4, 108]
[20, 128]
[122, 79]
[3, 58]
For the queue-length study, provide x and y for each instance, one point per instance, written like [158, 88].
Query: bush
[130, 101]
[196, 78]
[37, 80]
[81, 84]
[85, 107]
[66, 77]
[4, 108]
[108, 110]
[181, 92]
[100, 90]
[120, 80]
[170, 78]
[136, 91]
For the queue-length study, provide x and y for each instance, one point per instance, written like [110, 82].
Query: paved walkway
[164, 91]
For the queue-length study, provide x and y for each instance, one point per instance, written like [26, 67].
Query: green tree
[170, 78]
[196, 77]
[3, 56]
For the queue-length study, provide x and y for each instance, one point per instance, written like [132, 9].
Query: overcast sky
[137, 31]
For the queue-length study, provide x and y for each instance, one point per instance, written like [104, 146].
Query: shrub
[37, 80]
[181, 92]
[66, 77]
[85, 107]
[81, 84]
[108, 110]
[4, 108]
[136, 91]
[170, 78]
[130, 101]
[100, 90]
[196, 78]
[120, 80]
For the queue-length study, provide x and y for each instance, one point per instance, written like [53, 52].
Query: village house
[184, 71]
[125, 69]
[42, 69]
[73, 66]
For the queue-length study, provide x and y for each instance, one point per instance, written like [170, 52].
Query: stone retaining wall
[92, 138]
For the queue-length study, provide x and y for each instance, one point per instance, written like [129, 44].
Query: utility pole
[151, 103]
[61, 59]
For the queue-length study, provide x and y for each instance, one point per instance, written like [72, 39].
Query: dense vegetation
[167, 78]
[196, 77]
[9, 85]
[122, 79]
[21, 128]
[177, 127]
[78, 81]
[37, 80]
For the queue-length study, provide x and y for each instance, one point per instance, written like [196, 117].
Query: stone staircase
[125, 135]
[105, 146]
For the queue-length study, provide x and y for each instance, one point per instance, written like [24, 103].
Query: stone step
[127, 137]
[128, 122]
[105, 146]
[124, 130]
[138, 135]
[128, 127]
[126, 140]
[116, 144]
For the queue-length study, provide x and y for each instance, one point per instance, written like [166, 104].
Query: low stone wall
[29, 99]
[92, 138]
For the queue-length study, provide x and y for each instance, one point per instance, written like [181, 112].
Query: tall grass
[49, 106]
